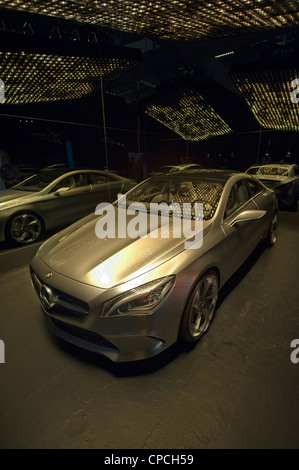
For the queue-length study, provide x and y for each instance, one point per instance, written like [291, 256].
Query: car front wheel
[24, 228]
[200, 308]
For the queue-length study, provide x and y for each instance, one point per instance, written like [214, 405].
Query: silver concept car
[54, 198]
[283, 178]
[130, 299]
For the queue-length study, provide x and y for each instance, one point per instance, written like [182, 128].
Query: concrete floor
[236, 389]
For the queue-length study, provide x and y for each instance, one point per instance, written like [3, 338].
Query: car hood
[8, 197]
[79, 254]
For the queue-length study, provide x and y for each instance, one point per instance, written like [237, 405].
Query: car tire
[271, 236]
[200, 308]
[24, 228]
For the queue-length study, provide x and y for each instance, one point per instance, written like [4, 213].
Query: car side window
[76, 181]
[79, 180]
[237, 197]
[64, 183]
[97, 178]
[253, 187]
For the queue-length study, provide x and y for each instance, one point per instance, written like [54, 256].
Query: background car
[131, 298]
[283, 178]
[55, 198]
[26, 170]
[182, 167]
[55, 166]
[186, 167]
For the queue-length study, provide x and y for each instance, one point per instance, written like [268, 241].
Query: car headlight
[142, 300]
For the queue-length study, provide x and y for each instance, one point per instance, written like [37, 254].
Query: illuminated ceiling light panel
[269, 96]
[175, 19]
[31, 78]
[187, 114]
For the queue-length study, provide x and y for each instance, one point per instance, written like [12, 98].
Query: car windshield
[178, 191]
[269, 170]
[38, 182]
[253, 171]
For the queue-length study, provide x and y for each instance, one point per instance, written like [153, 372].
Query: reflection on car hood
[8, 196]
[78, 253]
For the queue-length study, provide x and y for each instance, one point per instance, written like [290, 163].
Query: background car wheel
[24, 228]
[200, 308]
[272, 231]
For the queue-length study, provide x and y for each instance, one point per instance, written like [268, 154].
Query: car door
[71, 200]
[243, 237]
[105, 188]
[262, 198]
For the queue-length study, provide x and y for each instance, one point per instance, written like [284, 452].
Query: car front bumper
[121, 339]
[118, 348]
[286, 201]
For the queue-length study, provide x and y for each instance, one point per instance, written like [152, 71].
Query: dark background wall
[36, 134]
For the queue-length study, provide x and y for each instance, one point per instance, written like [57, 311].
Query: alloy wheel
[25, 228]
[200, 308]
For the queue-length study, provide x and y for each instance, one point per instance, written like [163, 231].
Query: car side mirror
[248, 215]
[62, 190]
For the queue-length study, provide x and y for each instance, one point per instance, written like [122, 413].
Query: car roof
[207, 174]
[272, 164]
[62, 171]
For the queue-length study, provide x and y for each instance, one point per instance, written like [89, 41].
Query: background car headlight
[142, 300]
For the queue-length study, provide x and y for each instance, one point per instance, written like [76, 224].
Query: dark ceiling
[169, 46]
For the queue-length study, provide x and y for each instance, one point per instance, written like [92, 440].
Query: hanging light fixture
[176, 19]
[185, 112]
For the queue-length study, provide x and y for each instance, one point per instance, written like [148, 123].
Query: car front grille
[84, 335]
[64, 305]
